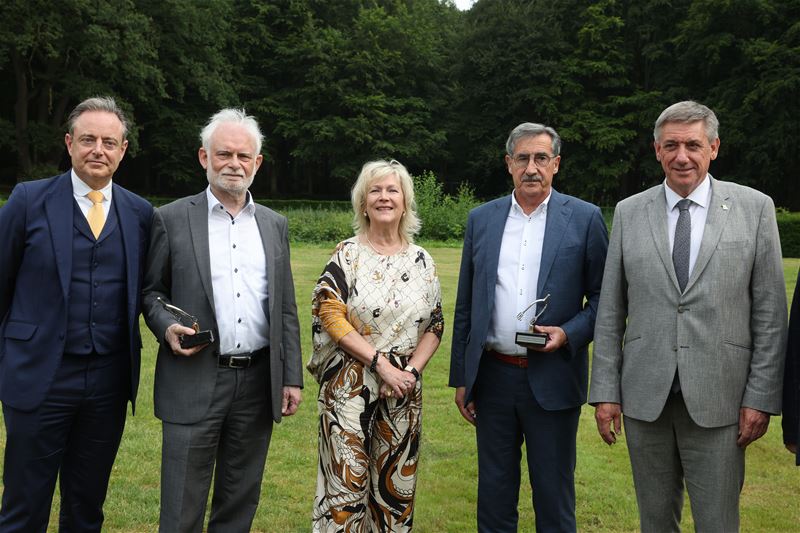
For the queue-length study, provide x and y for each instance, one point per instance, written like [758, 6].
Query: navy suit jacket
[35, 273]
[571, 270]
[791, 377]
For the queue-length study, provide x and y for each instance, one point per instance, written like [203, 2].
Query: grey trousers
[234, 436]
[673, 449]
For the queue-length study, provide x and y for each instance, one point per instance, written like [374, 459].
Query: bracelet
[413, 370]
[374, 364]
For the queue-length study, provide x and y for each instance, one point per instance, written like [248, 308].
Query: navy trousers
[507, 415]
[75, 432]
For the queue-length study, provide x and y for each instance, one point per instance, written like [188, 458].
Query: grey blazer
[726, 333]
[178, 270]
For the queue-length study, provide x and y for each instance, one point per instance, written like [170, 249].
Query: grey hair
[373, 171]
[686, 112]
[235, 116]
[532, 129]
[98, 103]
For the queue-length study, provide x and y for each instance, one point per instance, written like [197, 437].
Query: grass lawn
[446, 494]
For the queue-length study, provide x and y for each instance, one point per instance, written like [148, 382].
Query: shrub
[444, 217]
[318, 225]
[789, 228]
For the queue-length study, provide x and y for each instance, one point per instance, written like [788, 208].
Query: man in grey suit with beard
[691, 329]
[225, 259]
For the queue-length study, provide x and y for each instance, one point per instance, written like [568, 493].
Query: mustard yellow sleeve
[333, 315]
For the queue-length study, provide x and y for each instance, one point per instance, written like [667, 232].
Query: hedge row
[318, 222]
[789, 228]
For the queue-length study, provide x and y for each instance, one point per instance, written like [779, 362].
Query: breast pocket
[733, 245]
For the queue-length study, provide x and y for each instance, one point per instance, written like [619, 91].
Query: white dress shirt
[80, 190]
[517, 276]
[698, 211]
[238, 277]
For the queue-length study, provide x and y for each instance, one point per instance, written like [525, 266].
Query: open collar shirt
[517, 276]
[80, 190]
[238, 277]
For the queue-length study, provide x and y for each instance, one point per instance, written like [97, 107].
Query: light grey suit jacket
[179, 271]
[726, 334]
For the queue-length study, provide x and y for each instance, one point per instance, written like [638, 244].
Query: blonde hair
[371, 172]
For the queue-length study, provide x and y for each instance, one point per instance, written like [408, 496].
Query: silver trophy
[531, 338]
[185, 319]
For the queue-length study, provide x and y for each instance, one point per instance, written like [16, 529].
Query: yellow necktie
[96, 215]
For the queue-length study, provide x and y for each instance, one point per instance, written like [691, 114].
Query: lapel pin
[724, 207]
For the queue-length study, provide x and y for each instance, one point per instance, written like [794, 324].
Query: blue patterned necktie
[682, 243]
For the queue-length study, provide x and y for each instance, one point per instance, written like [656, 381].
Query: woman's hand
[409, 381]
[396, 382]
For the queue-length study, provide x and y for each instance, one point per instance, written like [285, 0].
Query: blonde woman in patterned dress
[377, 320]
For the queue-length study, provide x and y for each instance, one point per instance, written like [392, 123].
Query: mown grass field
[446, 495]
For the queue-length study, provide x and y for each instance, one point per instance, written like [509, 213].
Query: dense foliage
[338, 82]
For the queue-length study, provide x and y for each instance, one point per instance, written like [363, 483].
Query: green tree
[54, 54]
[199, 72]
[342, 82]
[510, 70]
[596, 123]
[742, 58]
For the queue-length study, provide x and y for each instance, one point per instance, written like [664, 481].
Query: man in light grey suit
[221, 257]
[691, 329]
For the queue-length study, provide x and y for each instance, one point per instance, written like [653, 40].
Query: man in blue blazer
[517, 249]
[72, 252]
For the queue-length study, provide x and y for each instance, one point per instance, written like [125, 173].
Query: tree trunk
[21, 117]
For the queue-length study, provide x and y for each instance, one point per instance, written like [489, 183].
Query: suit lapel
[659, 227]
[270, 242]
[718, 210]
[558, 215]
[493, 234]
[197, 212]
[59, 207]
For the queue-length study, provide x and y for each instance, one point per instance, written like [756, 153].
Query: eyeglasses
[540, 160]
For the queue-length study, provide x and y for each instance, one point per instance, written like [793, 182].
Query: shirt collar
[249, 206]
[542, 207]
[80, 188]
[701, 195]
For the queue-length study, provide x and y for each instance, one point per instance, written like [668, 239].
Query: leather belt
[520, 361]
[242, 360]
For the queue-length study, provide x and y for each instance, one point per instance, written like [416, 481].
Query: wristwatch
[413, 370]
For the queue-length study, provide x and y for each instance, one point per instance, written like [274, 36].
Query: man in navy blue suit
[72, 252]
[518, 249]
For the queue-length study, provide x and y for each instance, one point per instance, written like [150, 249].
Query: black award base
[531, 339]
[201, 337]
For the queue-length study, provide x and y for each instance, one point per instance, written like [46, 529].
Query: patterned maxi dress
[368, 446]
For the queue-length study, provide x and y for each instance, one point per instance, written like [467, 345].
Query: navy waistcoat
[96, 308]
